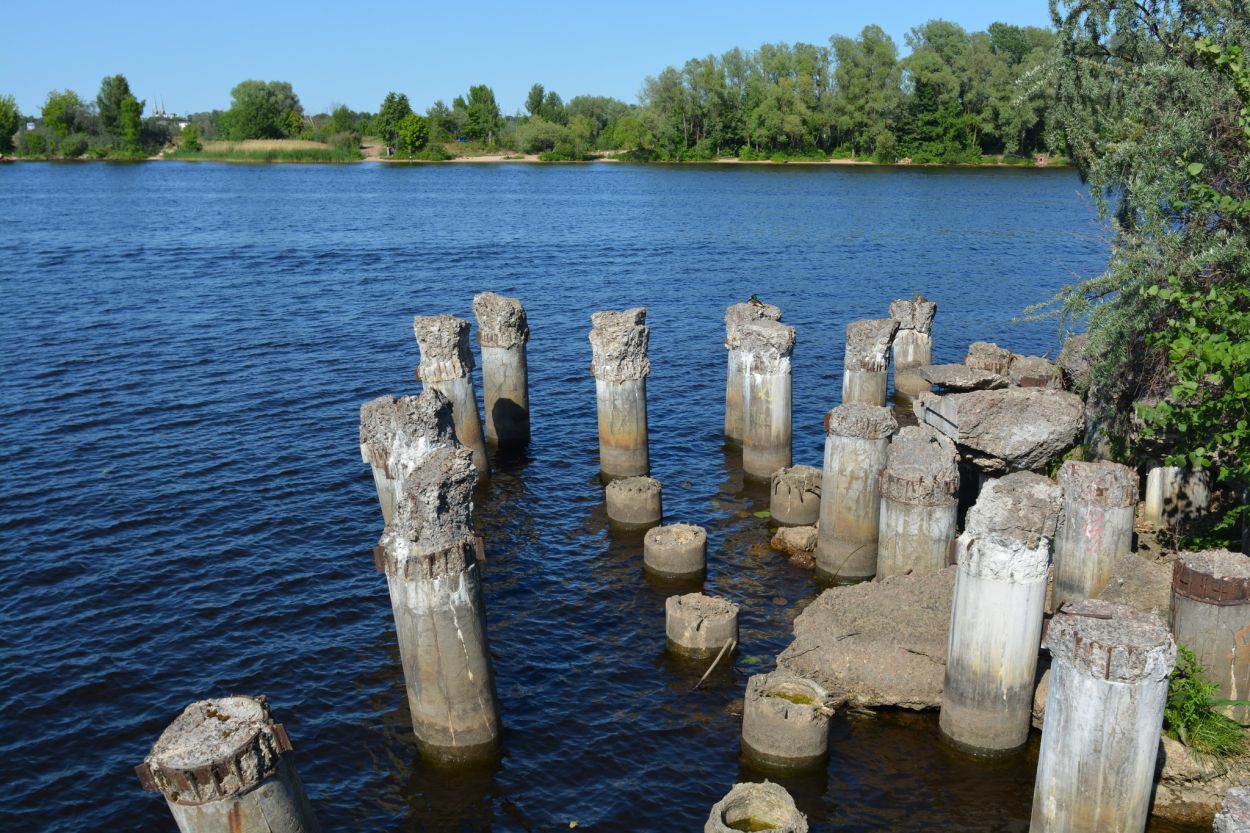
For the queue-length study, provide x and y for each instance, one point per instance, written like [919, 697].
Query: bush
[32, 143]
[98, 151]
[191, 137]
[843, 152]
[433, 152]
[747, 154]
[74, 146]
[347, 140]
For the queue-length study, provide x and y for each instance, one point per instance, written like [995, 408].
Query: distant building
[158, 113]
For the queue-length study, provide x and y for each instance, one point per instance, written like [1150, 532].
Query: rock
[881, 643]
[1187, 781]
[798, 542]
[1075, 363]
[1234, 815]
[1039, 693]
[1001, 431]
[984, 355]
[1034, 372]
[957, 377]
[1140, 584]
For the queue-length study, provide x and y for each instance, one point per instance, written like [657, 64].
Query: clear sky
[353, 53]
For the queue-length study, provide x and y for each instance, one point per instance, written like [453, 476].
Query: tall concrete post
[620, 367]
[1210, 614]
[866, 368]
[394, 435]
[447, 366]
[857, 437]
[1175, 495]
[913, 344]
[767, 347]
[735, 388]
[502, 331]
[1095, 527]
[429, 555]
[1104, 711]
[224, 766]
[919, 502]
[996, 619]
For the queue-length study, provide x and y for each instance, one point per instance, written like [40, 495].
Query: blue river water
[185, 513]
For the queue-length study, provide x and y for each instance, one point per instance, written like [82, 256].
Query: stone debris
[959, 378]
[797, 542]
[1140, 584]
[1035, 372]
[983, 355]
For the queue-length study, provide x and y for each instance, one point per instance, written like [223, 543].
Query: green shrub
[433, 152]
[74, 146]
[1190, 715]
[32, 143]
[98, 151]
[747, 154]
[191, 137]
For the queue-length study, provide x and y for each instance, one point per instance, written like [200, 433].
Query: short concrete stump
[785, 723]
[223, 765]
[675, 550]
[796, 496]
[634, 501]
[700, 626]
[765, 806]
[1234, 814]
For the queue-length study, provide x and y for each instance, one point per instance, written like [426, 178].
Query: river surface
[185, 512]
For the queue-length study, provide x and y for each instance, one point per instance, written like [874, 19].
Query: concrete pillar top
[738, 314]
[501, 321]
[431, 533]
[762, 802]
[642, 486]
[1007, 533]
[1112, 642]
[701, 606]
[914, 314]
[1215, 576]
[444, 344]
[215, 749]
[868, 344]
[618, 341]
[396, 434]
[1114, 485]
[799, 478]
[858, 420]
[669, 535]
[768, 345]
[921, 468]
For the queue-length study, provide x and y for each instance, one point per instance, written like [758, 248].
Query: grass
[268, 150]
[1191, 717]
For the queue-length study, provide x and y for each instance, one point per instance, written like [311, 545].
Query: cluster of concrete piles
[961, 487]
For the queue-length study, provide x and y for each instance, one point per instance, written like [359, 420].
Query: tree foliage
[413, 133]
[62, 112]
[114, 89]
[10, 120]
[191, 137]
[131, 124]
[482, 120]
[395, 108]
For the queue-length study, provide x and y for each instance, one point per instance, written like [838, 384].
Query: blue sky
[353, 53]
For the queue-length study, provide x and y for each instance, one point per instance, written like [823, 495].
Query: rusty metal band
[1211, 590]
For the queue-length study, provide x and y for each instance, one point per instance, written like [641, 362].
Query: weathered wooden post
[919, 502]
[913, 344]
[429, 554]
[1104, 709]
[856, 439]
[735, 387]
[996, 619]
[620, 366]
[767, 347]
[1210, 615]
[1095, 527]
[502, 331]
[447, 366]
[224, 766]
[866, 368]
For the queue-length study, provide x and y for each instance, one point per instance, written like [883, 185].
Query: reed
[268, 150]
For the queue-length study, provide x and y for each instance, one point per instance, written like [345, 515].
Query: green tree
[632, 134]
[131, 124]
[341, 119]
[482, 120]
[61, 112]
[114, 89]
[10, 120]
[413, 133]
[191, 137]
[395, 108]
[868, 78]
[291, 123]
[534, 101]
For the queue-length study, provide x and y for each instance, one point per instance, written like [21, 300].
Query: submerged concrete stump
[762, 806]
[1104, 711]
[447, 366]
[996, 619]
[699, 626]
[919, 503]
[785, 723]
[1095, 528]
[1234, 814]
[767, 347]
[224, 766]
[795, 499]
[1176, 495]
[1210, 615]
[429, 555]
[394, 434]
[502, 331]
[735, 386]
[620, 367]
[913, 344]
[856, 439]
[675, 551]
[634, 501]
[866, 367]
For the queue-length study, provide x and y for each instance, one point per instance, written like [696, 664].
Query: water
[185, 514]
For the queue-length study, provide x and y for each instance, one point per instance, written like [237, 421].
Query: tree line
[956, 96]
